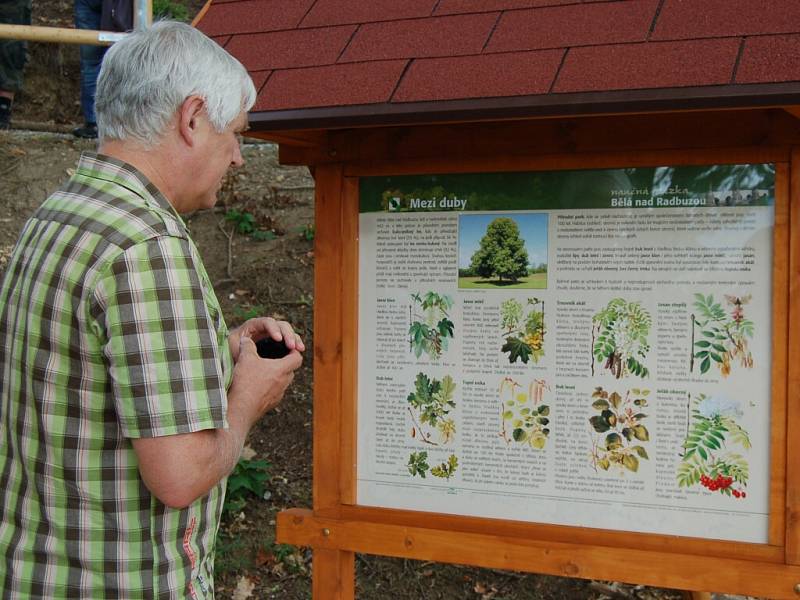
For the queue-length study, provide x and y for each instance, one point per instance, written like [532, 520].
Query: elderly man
[125, 400]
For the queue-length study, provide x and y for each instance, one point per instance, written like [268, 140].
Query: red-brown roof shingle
[693, 19]
[450, 7]
[770, 58]
[653, 65]
[352, 83]
[340, 12]
[490, 75]
[291, 49]
[253, 16]
[574, 25]
[412, 38]
[381, 56]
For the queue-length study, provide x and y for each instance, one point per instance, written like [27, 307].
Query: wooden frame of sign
[338, 527]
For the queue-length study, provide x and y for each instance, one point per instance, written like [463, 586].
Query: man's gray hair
[147, 75]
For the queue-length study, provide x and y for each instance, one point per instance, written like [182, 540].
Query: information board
[587, 348]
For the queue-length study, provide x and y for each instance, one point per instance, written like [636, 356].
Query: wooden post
[333, 570]
[792, 533]
[333, 575]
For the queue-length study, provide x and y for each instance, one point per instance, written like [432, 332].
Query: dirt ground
[273, 276]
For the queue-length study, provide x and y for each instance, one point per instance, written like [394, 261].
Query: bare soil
[271, 277]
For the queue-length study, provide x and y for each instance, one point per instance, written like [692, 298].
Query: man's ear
[189, 115]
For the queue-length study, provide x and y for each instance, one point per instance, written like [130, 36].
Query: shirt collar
[107, 168]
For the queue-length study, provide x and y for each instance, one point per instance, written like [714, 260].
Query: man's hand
[178, 469]
[258, 384]
[262, 327]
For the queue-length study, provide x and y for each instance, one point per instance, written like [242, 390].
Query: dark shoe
[5, 113]
[88, 131]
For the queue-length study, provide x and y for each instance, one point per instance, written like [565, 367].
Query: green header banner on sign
[641, 187]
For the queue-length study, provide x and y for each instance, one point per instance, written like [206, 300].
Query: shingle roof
[343, 62]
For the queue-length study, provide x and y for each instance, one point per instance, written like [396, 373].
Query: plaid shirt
[109, 330]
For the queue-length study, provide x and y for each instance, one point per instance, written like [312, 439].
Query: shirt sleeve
[164, 340]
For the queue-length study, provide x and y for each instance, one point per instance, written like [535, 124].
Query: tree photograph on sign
[503, 251]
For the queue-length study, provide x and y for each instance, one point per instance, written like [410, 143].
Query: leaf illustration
[631, 462]
[446, 328]
[538, 440]
[448, 388]
[418, 464]
[516, 349]
[705, 365]
[640, 433]
[613, 441]
[447, 469]
[610, 417]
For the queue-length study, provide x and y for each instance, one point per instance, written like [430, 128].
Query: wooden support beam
[793, 110]
[576, 136]
[678, 571]
[299, 139]
[59, 35]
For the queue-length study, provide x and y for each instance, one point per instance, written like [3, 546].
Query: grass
[536, 281]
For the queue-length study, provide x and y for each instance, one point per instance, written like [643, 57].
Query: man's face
[217, 152]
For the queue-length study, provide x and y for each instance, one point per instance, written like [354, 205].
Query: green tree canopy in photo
[502, 252]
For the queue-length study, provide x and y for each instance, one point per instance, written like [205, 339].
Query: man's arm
[178, 469]
[169, 391]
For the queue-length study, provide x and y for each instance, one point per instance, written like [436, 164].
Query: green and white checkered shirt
[109, 330]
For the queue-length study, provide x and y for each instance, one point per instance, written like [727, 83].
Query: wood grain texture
[564, 533]
[333, 575]
[793, 399]
[565, 136]
[780, 317]
[559, 162]
[349, 241]
[586, 561]
[327, 337]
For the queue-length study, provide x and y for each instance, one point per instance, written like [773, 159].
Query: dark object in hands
[269, 348]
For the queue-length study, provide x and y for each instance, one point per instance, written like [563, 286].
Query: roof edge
[737, 96]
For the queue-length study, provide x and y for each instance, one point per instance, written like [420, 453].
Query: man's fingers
[246, 344]
[293, 360]
[298, 343]
[262, 327]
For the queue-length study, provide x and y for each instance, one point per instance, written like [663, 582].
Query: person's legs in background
[13, 56]
[87, 16]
